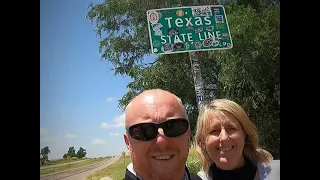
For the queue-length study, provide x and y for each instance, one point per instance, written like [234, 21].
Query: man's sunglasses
[149, 131]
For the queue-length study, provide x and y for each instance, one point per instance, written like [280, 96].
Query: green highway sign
[186, 29]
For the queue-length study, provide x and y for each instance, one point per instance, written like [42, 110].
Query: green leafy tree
[81, 153]
[65, 156]
[44, 154]
[71, 152]
[248, 73]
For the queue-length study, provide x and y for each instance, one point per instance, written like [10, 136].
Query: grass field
[193, 162]
[117, 170]
[69, 166]
[60, 161]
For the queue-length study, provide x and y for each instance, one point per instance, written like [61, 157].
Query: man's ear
[189, 133]
[126, 140]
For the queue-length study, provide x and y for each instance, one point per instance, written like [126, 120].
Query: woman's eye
[215, 131]
[231, 129]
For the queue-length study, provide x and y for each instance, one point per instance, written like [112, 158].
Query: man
[157, 137]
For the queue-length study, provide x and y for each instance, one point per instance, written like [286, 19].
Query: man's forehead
[163, 104]
[148, 99]
[154, 96]
[151, 101]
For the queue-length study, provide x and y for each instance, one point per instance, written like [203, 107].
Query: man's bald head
[157, 106]
[156, 97]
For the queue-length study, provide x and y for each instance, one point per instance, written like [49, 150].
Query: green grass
[117, 170]
[193, 163]
[69, 166]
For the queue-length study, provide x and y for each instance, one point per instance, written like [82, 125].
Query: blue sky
[78, 93]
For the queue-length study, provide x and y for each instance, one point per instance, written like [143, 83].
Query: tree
[125, 46]
[65, 156]
[124, 24]
[44, 154]
[248, 73]
[71, 152]
[81, 153]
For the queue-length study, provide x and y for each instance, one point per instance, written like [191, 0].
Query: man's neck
[177, 175]
[169, 176]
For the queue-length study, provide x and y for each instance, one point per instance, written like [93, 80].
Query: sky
[79, 93]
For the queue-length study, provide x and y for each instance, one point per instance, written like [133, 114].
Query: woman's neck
[246, 172]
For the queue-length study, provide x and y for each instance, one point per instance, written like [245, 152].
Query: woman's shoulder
[275, 163]
[269, 171]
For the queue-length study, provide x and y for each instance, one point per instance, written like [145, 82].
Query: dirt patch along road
[80, 173]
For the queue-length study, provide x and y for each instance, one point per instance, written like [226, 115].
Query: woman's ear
[246, 140]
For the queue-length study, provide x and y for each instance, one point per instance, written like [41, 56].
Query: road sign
[200, 98]
[123, 153]
[68, 157]
[187, 29]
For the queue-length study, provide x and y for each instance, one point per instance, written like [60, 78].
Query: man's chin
[163, 172]
[164, 166]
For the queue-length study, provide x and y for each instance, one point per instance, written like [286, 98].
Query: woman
[227, 143]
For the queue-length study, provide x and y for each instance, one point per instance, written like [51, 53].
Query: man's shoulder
[130, 174]
[200, 175]
[195, 177]
[192, 176]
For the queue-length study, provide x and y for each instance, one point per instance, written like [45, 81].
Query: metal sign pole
[198, 82]
[197, 77]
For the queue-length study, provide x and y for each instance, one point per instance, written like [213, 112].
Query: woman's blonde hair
[251, 150]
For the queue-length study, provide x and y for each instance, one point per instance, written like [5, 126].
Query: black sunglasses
[149, 131]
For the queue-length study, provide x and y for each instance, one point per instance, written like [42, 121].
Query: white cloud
[109, 99]
[43, 131]
[120, 119]
[70, 136]
[119, 122]
[114, 134]
[98, 141]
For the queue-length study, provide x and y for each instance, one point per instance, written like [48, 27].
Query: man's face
[161, 155]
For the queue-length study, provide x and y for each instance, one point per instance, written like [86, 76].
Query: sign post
[189, 29]
[69, 158]
[124, 159]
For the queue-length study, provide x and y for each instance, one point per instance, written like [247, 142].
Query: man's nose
[161, 138]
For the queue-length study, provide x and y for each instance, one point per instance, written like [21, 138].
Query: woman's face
[225, 141]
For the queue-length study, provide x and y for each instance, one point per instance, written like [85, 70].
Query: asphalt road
[80, 173]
